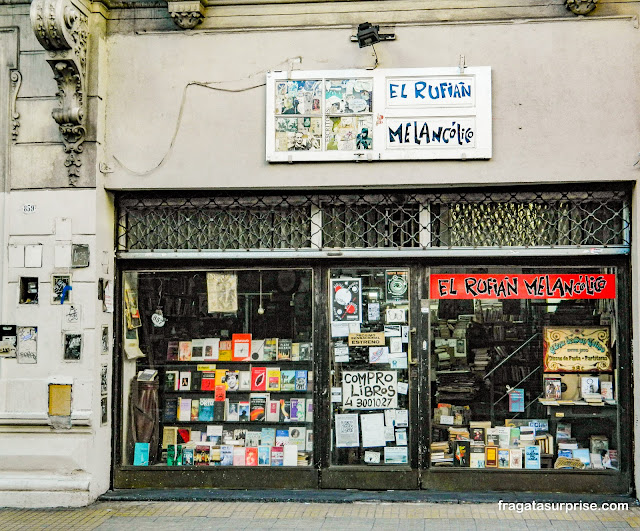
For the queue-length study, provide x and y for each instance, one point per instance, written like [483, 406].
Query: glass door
[370, 359]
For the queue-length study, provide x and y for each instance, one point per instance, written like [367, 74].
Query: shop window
[218, 368]
[524, 368]
[369, 353]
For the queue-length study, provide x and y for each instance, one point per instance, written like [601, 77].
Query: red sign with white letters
[580, 286]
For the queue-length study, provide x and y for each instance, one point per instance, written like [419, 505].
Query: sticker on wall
[71, 315]
[105, 339]
[27, 348]
[72, 346]
[104, 416]
[60, 289]
[8, 341]
[79, 255]
[104, 382]
[346, 300]
[107, 303]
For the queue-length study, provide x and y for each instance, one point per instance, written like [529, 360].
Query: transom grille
[381, 220]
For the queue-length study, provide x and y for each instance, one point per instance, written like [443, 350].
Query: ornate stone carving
[186, 14]
[580, 7]
[61, 28]
[16, 82]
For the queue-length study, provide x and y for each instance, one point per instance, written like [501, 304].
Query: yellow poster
[577, 350]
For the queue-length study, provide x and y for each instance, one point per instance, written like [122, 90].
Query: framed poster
[105, 339]
[27, 349]
[346, 300]
[60, 287]
[104, 381]
[72, 346]
[577, 349]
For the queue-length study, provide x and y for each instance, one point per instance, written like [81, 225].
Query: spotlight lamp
[368, 35]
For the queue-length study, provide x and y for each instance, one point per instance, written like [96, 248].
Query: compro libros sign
[392, 114]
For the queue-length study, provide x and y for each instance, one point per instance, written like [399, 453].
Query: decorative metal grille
[384, 220]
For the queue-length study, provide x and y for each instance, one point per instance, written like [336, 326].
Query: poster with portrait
[222, 292]
[72, 346]
[346, 300]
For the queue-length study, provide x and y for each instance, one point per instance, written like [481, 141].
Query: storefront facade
[408, 270]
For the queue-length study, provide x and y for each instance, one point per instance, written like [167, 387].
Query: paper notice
[372, 430]
[347, 431]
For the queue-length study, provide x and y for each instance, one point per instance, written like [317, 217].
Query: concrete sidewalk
[256, 516]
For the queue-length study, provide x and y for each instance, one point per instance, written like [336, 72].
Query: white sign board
[369, 390]
[386, 114]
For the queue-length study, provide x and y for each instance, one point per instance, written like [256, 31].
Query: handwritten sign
[438, 91]
[366, 339]
[583, 286]
[369, 389]
[576, 350]
[431, 132]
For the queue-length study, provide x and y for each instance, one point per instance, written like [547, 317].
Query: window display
[231, 356]
[524, 368]
[370, 352]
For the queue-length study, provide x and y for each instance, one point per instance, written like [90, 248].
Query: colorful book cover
[287, 380]
[141, 454]
[295, 351]
[225, 351]
[476, 457]
[195, 409]
[184, 351]
[226, 455]
[277, 456]
[298, 436]
[220, 393]
[187, 456]
[244, 411]
[232, 414]
[284, 349]
[268, 437]
[214, 457]
[172, 455]
[257, 349]
[206, 409]
[516, 400]
[285, 410]
[232, 380]
[184, 409]
[515, 458]
[244, 381]
[257, 407]
[514, 437]
[184, 435]
[171, 381]
[461, 451]
[273, 379]
[532, 457]
[503, 458]
[208, 382]
[251, 456]
[583, 455]
[491, 457]
[211, 348]
[173, 348]
[301, 381]
[264, 456]
[271, 349]
[258, 378]
[239, 456]
[297, 409]
[305, 351]
[221, 376]
[241, 347]
[477, 436]
[282, 437]
[201, 454]
[197, 349]
[185, 381]
[170, 436]
[170, 409]
[309, 415]
[273, 411]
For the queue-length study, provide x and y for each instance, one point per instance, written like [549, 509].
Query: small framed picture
[104, 382]
[104, 411]
[72, 346]
[60, 287]
[105, 340]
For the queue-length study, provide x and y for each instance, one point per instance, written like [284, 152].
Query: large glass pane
[218, 368]
[369, 352]
[524, 368]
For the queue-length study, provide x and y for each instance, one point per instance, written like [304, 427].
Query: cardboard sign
[577, 350]
[366, 339]
[369, 389]
[460, 286]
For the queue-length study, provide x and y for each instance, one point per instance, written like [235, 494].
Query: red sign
[582, 286]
